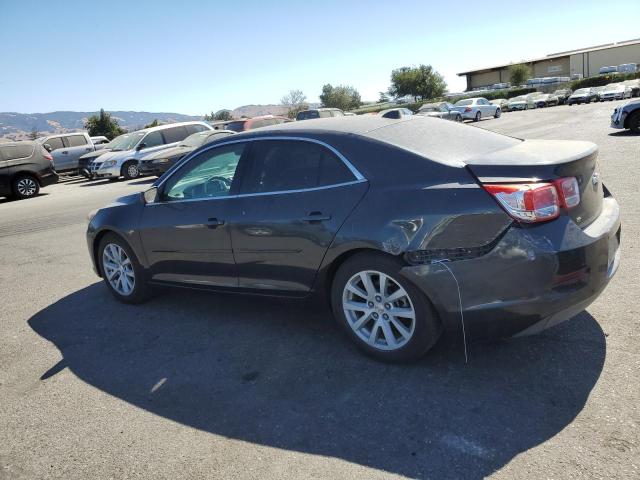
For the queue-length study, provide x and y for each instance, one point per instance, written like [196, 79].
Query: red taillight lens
[467, 109]
[536, 202]
[569, 191]
[48, 156]
[528, 202]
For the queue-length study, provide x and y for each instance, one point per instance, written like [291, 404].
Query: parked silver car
[396, 113]
[521, 102]
[123, 160]
[476, 108]
[627, 116]
[440, 110]
[614, 91]
[67, 148]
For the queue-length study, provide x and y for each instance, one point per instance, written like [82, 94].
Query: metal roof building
[584, 61]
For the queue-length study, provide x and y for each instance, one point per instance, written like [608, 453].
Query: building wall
[588, 64]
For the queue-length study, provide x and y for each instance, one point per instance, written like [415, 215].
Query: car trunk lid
[533, 161]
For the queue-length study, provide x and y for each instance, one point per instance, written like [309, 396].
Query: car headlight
[109, 163]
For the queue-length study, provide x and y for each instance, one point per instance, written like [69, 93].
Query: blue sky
[196, 56]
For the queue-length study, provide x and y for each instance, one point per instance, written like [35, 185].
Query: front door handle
[65, 152]
[214, 222]
[88, 150]
[316, 217]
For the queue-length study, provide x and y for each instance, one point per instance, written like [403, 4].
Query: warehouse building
[586, 62]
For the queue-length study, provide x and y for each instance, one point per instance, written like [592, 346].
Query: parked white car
[522, 102]
[123, 161]
[476, 108]
[614, 91]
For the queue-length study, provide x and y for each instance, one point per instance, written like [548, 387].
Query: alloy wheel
[132, 171]
[26, 187]
[379, 310]
[118, 269]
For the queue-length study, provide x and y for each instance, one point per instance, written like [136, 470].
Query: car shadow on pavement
[623, 133]
[280, 374]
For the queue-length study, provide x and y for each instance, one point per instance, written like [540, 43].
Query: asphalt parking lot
[194, 385]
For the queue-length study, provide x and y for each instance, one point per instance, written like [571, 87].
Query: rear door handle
[214, 222]
[316, 217]
[65, 152]
[88, 150]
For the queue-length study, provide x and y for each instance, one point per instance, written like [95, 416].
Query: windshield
[462, 103]
[235, 126]
[125, 142]
[196, 139]
[307, 114]
[612, 88]
[429, 108]
[582, 91]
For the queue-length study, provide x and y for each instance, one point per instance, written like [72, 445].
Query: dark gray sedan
[440, 110]
[408, 227]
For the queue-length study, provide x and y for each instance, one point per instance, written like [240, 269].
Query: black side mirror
[141, 146]
[47, 147]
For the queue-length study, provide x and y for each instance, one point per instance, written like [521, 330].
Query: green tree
[103, 124]
[421, 82]
[219, 116]
[518, 74]
[155, 123]
[34, 134]
[295, 101]
[384, 97]
[343, 97]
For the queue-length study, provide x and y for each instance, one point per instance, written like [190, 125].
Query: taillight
[569, 192]
[467, 109]
[536, 202]
[48, 156]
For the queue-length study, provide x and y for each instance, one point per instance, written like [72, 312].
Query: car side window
[336, 113]
[55, 143]
[76, 140]
[153, 139]
[12, 152]
[174, 134]
[195, 128]
[324, 114]
[281, 165]
[443, 108]
[207, 175]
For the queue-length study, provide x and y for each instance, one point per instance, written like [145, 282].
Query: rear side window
[235, 126]
[153, 139]
[76, 140]
[337, 113]
[55, 143]
[282, 165]
[325, 114]
[195, 128]
[12, 152]
[174, 134]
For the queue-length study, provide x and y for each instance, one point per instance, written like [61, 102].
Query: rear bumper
[534, 278]
[49, 178]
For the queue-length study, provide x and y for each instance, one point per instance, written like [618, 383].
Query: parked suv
[25, 167]
[67, 149]
[245, 124]
[319, 113]
[125, 151]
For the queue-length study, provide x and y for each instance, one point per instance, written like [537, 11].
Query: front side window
[207, 175]
[281, 165]
[235, 126]
[195, 128]
[76, 140]
[153, 139]
[55, 143]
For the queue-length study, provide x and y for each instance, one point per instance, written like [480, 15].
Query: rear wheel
[477, 117]
[633, 122]
[497, 114]
[122, 273]
[385, 315]
[130, 170]
[25, 186]
[458, 118]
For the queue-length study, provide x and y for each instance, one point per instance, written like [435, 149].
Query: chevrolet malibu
[408, 227]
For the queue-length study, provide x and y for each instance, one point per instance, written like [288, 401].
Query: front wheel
[459, 118]
[633, 122]
[25, 186]
[130, 170]
[122, 273]
[384, 315]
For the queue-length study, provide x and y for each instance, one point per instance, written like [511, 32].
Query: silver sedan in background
[440, 110]
[476, 108]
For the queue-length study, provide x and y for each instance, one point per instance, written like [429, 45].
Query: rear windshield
[236, 126]
[462, 103]
[307, 115]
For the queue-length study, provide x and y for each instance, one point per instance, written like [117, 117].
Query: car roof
[13, 143]
[429, 137]
[168, 125]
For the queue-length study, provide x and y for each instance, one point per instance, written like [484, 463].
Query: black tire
[25, 186]
[497, 114]
[427, 327]
[633, 122]
[458, 118]
[141, 289]
[477, 117]
[130, 170]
